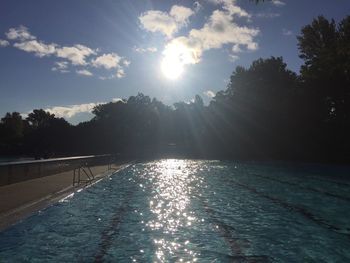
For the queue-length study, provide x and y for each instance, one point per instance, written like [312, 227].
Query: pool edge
[20, 213]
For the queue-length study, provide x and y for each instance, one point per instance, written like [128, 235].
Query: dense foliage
[266, 112]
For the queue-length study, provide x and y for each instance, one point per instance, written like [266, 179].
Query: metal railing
[14, 172]
[83, 175]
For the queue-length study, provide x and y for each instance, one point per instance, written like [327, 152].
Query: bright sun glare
[176, 56]
[172, 67]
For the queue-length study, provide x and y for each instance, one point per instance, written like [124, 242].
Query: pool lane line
[250, 259]
[303, 187]
[307, 214]
[226, 232]
[112, 230]
[330, 181]
[108, 234]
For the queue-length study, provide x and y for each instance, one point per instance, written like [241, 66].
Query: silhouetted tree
[13, 125]
[257, 110]
[325, 48]
[12, 129]
[48, 136]
[39, 118]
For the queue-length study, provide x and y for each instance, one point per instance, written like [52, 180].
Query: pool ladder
[85, 172]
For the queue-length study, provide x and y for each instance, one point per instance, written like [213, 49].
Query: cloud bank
[145, 50]
[4, 43]
[220, 29]
[287, 32]
[166, 23]
[278, 2]
[209, 93]
[84, 72]
[78, 55]
[71, 110]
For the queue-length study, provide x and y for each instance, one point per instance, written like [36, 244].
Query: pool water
[193, 211]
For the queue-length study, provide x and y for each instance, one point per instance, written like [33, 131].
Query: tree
[258, 108]
[325, 48]
[48, 135]
[39, 118]
[12, 131]
[13, 125]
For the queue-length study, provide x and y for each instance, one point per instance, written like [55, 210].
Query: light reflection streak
[172, 186]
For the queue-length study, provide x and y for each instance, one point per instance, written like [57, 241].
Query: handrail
[53, 160]
[14, 172]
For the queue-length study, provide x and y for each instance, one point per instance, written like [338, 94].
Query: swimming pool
[184, 210]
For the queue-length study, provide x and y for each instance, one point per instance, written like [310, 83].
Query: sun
[176, 56]
[172, 68]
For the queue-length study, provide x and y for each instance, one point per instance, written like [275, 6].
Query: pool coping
[20, 213]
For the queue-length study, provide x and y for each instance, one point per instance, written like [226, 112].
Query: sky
[66, 56]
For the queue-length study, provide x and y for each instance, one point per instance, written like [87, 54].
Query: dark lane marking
[344, 198]
[330, 181]
[227, 232]
[307, 214]
[250, 259]
[112, 230]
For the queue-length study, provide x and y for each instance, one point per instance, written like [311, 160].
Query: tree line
[267, 112]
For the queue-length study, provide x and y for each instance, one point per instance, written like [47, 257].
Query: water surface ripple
[193, 211]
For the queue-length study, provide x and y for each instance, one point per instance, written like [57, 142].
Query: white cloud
[181, 13]
[144, 50]
[197, 6]
[236, 48]
[126, 63]
[105, 78]
[76, 54]
[233, 58]
[61, 66]
[60, 70]
[219, 30]
[4, 43]
[233, 8]
[112, 61]
[267, 15]
[39, 48]
[71, 110]
[287, 32]
[120, 73]
[278, 3]
[209, 93]
[20, 33]
[107, 61]
[164, 22]
[84, 72]
[117, 99]
[222, 30]
[158, 21]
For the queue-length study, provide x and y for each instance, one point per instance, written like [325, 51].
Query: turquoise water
[194, 211]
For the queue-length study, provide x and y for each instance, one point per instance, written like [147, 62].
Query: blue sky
[66, 56]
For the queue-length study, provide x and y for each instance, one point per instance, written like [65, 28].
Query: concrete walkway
[21, 199]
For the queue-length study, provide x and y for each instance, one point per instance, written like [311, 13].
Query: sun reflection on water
[172, 185]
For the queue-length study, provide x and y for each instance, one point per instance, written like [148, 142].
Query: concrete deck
[19, 200]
